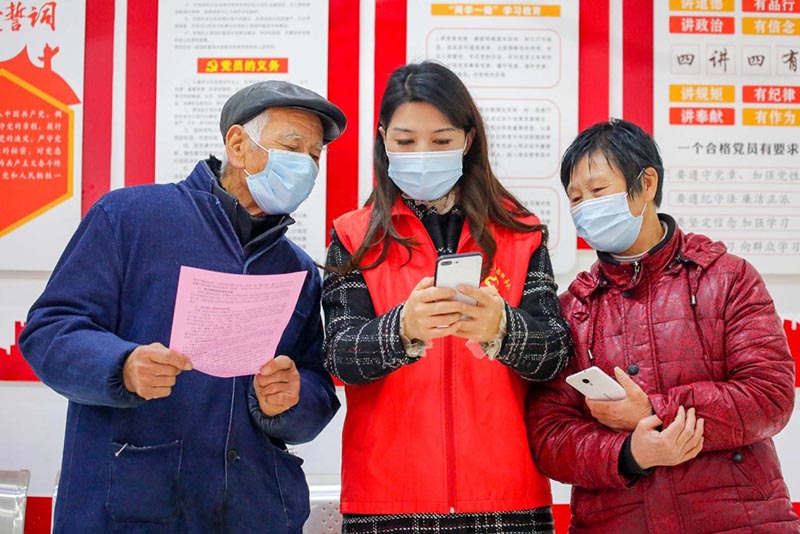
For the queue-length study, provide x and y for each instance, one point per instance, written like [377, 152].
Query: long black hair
[481, 195]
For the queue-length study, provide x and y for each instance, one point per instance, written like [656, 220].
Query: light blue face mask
[606, 223]
[285, 182]
[426, 175]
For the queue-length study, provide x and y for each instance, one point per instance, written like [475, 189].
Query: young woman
[434, 437]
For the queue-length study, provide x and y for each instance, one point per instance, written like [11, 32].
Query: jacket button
[627, 293]
[633, 369]
[737, 457]
[232, 455]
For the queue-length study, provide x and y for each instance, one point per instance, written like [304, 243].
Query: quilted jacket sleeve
[567, 444]
[757, 398]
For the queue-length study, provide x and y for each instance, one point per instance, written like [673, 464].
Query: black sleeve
[538, 343]
[627, 464]
[359, 347]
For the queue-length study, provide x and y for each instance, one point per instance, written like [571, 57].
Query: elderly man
[692, 335]
[151, 446]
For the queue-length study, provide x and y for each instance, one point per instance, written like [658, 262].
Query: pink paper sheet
[230, 324]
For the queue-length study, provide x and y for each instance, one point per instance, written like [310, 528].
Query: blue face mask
[285, 182]
[426, 175]
[606, 223]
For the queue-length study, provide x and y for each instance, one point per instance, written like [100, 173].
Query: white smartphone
[596, 384]
[453, 270]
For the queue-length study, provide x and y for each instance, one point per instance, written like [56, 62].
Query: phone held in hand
[453, 270]
[596, 384]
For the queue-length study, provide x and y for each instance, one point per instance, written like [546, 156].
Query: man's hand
[277, 386]
[680, 441]
[484, 317]
[623, 414]
[150, 370]
[430, 313]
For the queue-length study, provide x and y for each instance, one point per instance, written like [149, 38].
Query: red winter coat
[695, 327]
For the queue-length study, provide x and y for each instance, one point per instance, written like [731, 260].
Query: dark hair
[624, 145]
[481, 195]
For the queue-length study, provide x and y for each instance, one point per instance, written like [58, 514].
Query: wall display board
[716, 83]
[520, 61]
[715, 80]
[41, 127]
[207, 51]
[726, 112]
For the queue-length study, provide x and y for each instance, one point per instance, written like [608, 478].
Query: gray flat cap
[248, 102]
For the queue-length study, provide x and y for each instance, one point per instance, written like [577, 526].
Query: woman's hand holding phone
[483, 318]
[624, 414]
[430, 312]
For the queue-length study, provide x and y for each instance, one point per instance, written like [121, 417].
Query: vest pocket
[143, 482]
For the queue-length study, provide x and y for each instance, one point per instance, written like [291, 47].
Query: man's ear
[649, 184]
[235, 145]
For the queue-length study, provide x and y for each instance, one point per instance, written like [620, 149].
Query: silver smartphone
[453, 270]
[596, 384]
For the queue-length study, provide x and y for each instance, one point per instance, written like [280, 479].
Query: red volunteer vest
[445, 434]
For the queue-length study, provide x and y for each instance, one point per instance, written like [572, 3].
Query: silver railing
[13, 497]
[325, 517]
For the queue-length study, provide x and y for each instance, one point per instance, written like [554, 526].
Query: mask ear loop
[641, 173]
[259, 146]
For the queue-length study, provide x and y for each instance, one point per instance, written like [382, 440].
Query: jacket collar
[202, 176]
[669, 255]
[203, 179]
[626, 275]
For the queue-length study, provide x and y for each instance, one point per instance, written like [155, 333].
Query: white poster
[41, 127]
[206, 52]
[520, 62]
[726, 116]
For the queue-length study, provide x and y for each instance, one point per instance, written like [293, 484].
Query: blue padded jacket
[205, 459]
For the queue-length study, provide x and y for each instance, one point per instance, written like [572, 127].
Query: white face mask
[285, 182]
[606, 223]
[426, 175]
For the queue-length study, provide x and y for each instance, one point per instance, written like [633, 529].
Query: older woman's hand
[623, 414]
[681, 441]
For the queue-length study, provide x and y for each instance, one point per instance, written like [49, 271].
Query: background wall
[119, 108]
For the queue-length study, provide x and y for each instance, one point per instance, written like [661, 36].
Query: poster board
[206, 52]
[726, 115]
[520, 62]
[41, 128]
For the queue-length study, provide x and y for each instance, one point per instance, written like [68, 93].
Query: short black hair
[624, 145]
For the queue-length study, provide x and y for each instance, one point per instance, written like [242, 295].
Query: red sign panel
[702, 25]
[702, 116]
[770, 6]
[242, 65]
[771, 94]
